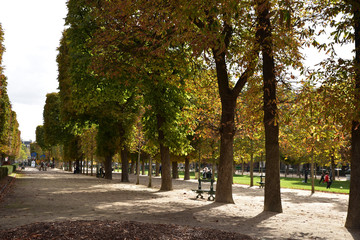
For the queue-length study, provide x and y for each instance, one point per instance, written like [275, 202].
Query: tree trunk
[132, 167]
[187, 169]
[242, 166]
[92, 165]
[312, 172]
[353, 215]
[166, 181]
[124, 165]
[150, 172]
[272, 200]
[228, 98]
[251, 169]
[143, 167]
[138, 166]
[333, 174]
[175, 172]
[227, 132]
[157, 169]
[108, 167]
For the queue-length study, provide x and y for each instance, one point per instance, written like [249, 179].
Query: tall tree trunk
[92, 164]
[187, 169]
[312, 172]
[227, 130]
[150, 172]
[132, 167]
[157, 169]
[272, 200]
[251, 168]
[175, 172]
[138, 165]
[353, 215]
[124, 165]
[143, 167]
[108, 167]
[166, 181]
[242, 166]
[333, 174]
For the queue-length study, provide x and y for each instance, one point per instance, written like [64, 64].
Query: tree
[220, 31]
[52, 122]
[40, 137]
[352, 220]
[101, 98]
[325, 13]
[53, 127]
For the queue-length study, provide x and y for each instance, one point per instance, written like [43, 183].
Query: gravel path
[56, 195]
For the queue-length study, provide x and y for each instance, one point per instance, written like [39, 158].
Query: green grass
[292, 183]
[296, 183]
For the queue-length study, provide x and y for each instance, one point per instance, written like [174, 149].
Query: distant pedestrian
[306, 175]
[327, 180]
[322, 177]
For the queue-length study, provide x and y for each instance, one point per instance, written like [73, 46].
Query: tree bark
[150, 172]
[187, 169]
[312, 172]
[272, 200]
[108, 167]
[333, 174]
[124, 165]
[132, 167]
[157, 169]
[143, 167]
[175, 172]
[252, 164]
[251, 169]
[227, 129]
[227, 132]
[92, 164]
[166, 181]
[353, 215]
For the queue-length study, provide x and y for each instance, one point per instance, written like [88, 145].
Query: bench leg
[211, 197]
[200, 196]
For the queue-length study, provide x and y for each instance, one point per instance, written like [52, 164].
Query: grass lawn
[297, 183]
[294, 183]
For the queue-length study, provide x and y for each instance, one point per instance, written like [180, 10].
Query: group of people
[206, 173]
[43, 166]
[326, 178]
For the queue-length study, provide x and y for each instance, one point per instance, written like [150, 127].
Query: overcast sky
[32, 33]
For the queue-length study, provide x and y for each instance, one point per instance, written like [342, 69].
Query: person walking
[306, 172]
[322, 177]
[327, 180]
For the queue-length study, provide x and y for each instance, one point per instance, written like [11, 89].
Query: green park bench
[261, 183]
[200, 191]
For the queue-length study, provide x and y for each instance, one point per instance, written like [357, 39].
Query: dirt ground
[55, 195]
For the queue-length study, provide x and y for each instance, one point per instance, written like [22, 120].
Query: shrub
[3, 172]
[10, 168]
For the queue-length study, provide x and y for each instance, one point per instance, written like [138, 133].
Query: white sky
[32, 33]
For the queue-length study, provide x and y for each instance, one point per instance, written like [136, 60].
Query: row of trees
[10, 141]
[170, 77]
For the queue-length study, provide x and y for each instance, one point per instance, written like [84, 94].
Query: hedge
[3, 172]
[6, 170]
